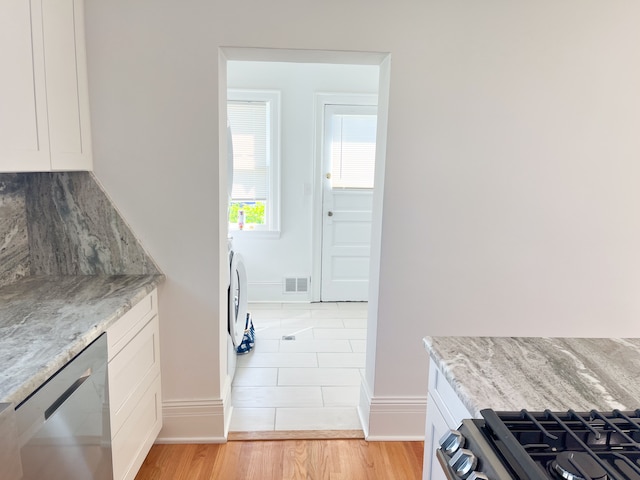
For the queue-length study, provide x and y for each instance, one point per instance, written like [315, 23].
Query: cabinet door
[9, 448]
[24, 136]
[67, 94]
[135, 400]
[436, 428]
[44, 98]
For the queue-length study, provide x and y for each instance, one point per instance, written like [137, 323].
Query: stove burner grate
[571, 446]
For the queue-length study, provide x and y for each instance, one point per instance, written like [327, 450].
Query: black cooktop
[570, 445]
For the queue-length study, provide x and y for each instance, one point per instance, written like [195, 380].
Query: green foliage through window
[253, 212]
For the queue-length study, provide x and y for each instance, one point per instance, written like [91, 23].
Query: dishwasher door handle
[67, 393]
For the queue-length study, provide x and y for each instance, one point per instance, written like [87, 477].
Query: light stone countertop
[510, 374]
[45, 321]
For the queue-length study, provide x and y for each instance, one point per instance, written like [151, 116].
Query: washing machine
[238, 306]
[238, 302]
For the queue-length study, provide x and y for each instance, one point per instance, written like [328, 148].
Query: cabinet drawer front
[121, 332]
[131, 445]
[451, 407]
[131, 371]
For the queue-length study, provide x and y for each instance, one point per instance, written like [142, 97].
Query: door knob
[328, 175]
[330, 214]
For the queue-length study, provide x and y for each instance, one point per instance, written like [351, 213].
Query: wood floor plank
[339, 459]
[295, 434]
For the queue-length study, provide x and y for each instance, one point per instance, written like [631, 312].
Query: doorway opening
[308, 355]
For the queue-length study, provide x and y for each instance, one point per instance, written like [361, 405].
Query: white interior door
[347, 198]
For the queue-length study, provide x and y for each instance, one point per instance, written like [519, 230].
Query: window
[253, 118]
[352, 149]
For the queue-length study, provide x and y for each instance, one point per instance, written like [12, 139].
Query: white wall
[510, 198]
[269, 260]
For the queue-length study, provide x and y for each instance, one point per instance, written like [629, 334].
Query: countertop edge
[458, 388]
[539, 373]
[78, 344]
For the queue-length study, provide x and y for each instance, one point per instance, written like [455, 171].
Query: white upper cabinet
[44, 101]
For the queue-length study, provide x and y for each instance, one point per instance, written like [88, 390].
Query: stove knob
[451, 442]
[477, 476]
[463, 463]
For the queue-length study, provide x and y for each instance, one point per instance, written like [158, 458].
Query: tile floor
[310, 383]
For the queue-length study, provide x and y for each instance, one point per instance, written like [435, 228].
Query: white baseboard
[193, 421]
[392, 418]
[364, 408]
[226, 405]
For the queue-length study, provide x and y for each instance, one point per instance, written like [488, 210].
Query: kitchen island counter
[514, 373]
[46, 320]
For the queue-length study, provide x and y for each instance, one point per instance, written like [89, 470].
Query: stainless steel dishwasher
[63, 427]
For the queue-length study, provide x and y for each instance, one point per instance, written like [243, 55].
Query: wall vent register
[296, 285]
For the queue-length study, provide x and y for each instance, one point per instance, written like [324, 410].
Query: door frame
[320, 101]
[383, 60]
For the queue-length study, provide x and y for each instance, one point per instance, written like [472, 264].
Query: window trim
[273, 99]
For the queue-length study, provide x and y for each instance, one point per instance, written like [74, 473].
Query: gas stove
[544, 445]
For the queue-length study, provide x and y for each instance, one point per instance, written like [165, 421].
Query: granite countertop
[46, 320]
[510, 374]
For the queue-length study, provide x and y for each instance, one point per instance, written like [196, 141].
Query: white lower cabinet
[445, 411]
[134, 386]
[9, 445]
[436, 428]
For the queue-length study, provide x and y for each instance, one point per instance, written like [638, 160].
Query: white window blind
[249, 122]
[353, 150]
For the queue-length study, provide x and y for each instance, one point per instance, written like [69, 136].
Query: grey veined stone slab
[14, 242]
[74, 229]
[45, 321]
[508, 373]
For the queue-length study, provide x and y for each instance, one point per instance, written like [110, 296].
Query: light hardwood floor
[341, 459]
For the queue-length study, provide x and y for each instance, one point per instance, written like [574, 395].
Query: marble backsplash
[64, 224]
[14, 243]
